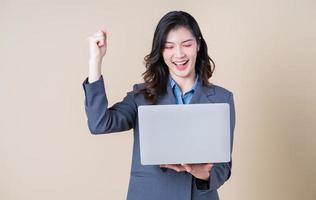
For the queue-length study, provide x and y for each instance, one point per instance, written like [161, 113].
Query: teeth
[180, 63]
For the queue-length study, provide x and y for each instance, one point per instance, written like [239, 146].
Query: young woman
[178, 70]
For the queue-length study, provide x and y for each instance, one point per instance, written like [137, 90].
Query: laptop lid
[184, 133]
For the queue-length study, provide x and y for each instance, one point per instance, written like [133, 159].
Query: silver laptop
[187, 133]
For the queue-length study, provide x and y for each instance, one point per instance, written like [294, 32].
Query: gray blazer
[151, 182]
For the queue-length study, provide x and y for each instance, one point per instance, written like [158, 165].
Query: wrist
[95, 63]
[94, 70]
[205, 178]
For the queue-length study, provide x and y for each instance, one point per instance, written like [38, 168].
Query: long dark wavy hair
[157, 72]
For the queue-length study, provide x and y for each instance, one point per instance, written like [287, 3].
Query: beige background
[264, 52]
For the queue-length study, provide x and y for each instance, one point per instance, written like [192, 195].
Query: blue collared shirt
[186, 97]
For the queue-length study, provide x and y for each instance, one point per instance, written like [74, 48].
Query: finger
[208, 168]
[209, 165]
[199, 167]
[203, 165]
[177, 168]
[100, 41]
[187, 167]
[99, 37]
[174, 167]
[94, 39]
[105, 33]
[99, 33]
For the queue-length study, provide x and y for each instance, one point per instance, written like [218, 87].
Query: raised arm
[101, 119]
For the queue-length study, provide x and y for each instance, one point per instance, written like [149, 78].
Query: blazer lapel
[203, 94]
[167, 98]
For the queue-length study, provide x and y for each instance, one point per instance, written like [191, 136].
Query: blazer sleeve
[221, 172]
[101, 119]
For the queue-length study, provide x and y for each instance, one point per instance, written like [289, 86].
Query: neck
[185, 84]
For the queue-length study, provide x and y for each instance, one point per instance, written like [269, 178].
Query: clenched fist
[97, 50]
[97, 45]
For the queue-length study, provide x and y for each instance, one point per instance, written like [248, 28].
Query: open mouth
[181, 65]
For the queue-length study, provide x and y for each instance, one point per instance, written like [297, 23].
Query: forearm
[94, 70]
[220, 173]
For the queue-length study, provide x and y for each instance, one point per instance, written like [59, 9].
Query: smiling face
[179, 53]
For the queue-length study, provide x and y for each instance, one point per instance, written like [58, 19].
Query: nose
[179, 53]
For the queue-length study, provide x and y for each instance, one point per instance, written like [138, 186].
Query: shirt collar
[172, 83]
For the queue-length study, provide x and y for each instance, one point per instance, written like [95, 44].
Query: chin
[183, 74]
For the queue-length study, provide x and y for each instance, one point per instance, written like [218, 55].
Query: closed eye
[187, 45]
[168, 47]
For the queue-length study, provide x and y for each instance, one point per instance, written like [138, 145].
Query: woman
[177, 71]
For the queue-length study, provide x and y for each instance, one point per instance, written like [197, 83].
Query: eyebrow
[188, 40]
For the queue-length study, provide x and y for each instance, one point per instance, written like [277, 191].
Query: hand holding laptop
[200, 171]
